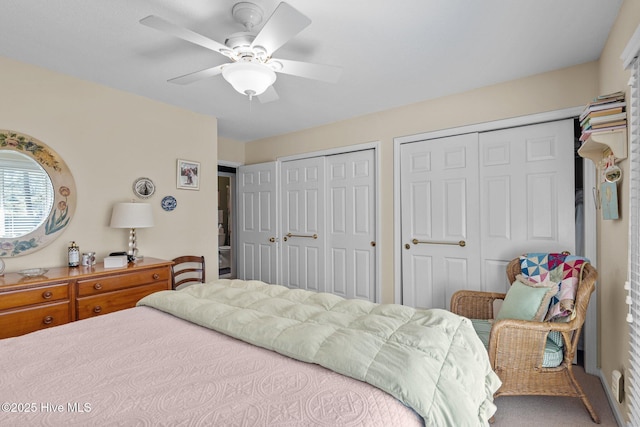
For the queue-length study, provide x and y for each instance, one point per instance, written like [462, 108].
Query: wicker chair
[516, 347]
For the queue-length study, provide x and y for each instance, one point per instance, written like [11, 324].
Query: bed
[233, 352]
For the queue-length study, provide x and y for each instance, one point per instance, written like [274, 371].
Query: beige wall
[613, 235]
[230, 151]
[560, 89]
[108, 138]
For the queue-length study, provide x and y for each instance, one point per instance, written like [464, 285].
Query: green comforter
[431, 360]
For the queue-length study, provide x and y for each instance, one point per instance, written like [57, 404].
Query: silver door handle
[461, 243]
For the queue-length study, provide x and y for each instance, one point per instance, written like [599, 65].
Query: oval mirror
[37, 194]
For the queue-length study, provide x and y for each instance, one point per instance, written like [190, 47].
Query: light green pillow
[527, 301]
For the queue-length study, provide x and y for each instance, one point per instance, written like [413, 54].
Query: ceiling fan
[252, 70]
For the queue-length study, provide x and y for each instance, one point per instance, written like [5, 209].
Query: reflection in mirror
[37, 194]
[26, 194]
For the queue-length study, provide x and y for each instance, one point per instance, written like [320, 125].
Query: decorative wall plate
[169, 203]
[144, 188]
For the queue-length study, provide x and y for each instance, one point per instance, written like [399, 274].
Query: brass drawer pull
[47, 294]
[97, 309]
[97, 286]
[461, 243]
[47, 320]
[156, 276]
[289, 235]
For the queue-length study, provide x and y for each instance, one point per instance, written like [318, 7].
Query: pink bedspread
[143, 367]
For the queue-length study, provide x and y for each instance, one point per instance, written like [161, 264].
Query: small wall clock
[144, 188]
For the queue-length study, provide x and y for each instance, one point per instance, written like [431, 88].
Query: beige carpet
[531, 411]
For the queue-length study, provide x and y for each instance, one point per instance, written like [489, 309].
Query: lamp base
[132, 253]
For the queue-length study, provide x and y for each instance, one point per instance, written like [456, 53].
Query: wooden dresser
[66, 294]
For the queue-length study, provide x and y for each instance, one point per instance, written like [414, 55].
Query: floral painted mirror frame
[64, 190]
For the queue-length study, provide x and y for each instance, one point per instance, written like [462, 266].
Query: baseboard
[612, 401]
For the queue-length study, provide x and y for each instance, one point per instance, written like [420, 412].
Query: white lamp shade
[131, 215]
[249, 78]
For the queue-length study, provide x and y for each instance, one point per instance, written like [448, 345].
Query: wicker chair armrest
[520, 344]
[474, 304]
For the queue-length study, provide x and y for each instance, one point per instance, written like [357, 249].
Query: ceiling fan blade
[325, 73]
[198, 75]
[160, 24]
[268, 95]
[284, 24]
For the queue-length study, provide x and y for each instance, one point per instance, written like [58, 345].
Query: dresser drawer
[22, 321]
[109, 302]
[123, 281]
[24, 297]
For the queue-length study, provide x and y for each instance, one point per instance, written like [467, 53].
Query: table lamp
[132, 215]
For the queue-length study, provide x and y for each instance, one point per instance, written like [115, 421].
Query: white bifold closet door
[440, 221]
[303, 224]
[257, 222]
[351, 225]
[527, 188]
[328, 224]
[470, 203]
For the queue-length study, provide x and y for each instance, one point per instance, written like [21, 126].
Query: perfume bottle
[74, 255]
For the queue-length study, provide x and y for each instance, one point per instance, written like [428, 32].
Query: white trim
[548, 116]
[612, 403]
[591, 344]
[229, 164]
[331, 151]
[631, 50]
[378, 258]
[375, 146]
[397, 229]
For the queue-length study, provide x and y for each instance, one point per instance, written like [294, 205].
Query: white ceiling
[392, 53]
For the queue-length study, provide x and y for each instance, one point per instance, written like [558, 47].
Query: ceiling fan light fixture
[249, 78]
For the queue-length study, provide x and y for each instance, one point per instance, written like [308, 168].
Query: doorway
[226, 223]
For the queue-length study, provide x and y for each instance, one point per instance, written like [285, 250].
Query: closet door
[440, 220]
[527, 194]
[351, 223]
[257, 222]
[303, 223]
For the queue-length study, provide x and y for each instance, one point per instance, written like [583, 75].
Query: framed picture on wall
[188, 175]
